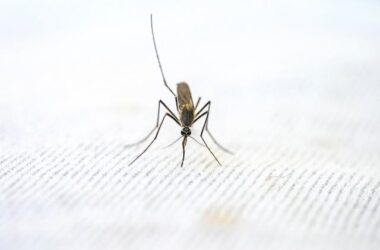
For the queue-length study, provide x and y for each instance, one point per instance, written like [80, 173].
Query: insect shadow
[188, 114]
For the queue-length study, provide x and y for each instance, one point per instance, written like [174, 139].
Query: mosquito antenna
[158, 57]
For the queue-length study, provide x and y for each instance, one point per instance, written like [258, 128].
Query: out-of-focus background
[295, 91]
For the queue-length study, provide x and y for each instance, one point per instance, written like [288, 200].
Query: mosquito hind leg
[160, 102]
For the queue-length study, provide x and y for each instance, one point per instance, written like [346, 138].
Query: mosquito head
[186, 131]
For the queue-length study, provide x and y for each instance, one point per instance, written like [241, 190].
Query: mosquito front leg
[155, 137]
[160, 102]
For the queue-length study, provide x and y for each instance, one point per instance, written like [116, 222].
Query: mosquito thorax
[186, 131]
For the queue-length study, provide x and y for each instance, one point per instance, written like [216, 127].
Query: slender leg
[200, 111]
[171, 144]
[155, 137]
[176, 104]
[196, 141]
[204, 126]
[196, 105]
[198, 116]
[217, 143]
[160, 102]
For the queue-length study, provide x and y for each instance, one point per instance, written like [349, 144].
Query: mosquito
[188, 114]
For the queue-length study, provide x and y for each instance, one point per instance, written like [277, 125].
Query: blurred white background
[96, 52]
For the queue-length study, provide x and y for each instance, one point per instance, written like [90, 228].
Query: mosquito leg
[213, 138]
[204, 126]
[155, 137]
[196, 105]
[171, 144]
[198, 116]
[217, 143]
[160, 102]
[200, 111]
[171, 113]
[196, 141]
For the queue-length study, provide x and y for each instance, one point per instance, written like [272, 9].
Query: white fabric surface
[295, 93]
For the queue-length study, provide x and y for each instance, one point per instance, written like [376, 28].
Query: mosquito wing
[185, 104]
